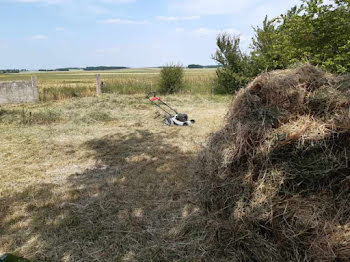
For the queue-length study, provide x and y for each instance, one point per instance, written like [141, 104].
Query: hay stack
[275, 181]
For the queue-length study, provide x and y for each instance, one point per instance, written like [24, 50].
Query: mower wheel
[167, 122]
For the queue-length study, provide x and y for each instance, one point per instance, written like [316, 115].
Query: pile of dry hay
[274, 183]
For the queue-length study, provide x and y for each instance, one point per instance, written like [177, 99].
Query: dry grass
[63, 85]
[99, 179]
[273, 183]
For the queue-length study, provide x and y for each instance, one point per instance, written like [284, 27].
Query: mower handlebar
[150, 94]
[154, 98]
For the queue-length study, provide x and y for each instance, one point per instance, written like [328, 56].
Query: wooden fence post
[98, 84]
[213, 87]
[35, 87]
[34, 81]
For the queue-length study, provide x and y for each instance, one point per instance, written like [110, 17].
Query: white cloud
[177, 18]
[119, 1]
[209, 32]
[179, 30]
[97, 10]
[225, 7]
[271, 9]
[111, 50]
[62, 31]
[72, 1]
[38, 37]
[41, 1]
[119, 21]
[211, 7]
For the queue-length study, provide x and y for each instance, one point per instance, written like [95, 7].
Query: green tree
[266, 53]
[234, 71]
[315, 32]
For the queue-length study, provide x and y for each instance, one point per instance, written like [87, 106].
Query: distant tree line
[11, 71]
[51, 70]
[314, 32]
[89, 68]
[194, 66]
[94, 68]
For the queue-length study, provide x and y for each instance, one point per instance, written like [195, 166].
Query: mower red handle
[154, 98]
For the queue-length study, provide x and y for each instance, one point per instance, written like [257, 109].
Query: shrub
[171, 79]
[228, 81]
[234, 71]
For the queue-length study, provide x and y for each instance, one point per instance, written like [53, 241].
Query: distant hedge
[9, 71]
[195, 66]
[94, 68]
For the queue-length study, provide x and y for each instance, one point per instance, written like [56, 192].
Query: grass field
[62, 85]
[99, 179]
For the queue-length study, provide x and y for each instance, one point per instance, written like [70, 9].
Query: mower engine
[178, 120]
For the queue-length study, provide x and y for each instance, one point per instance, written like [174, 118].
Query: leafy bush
[314, 32]
[234, 71]
[228, 82]
[171, 79]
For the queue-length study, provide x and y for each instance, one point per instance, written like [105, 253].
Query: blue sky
[137, 33]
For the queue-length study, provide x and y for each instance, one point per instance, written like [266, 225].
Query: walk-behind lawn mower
[175, 118]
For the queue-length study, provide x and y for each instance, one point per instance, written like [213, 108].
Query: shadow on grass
[120, 210]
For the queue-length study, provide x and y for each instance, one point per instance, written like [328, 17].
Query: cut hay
[274, 182]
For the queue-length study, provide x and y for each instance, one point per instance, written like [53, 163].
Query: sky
[47, 34]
